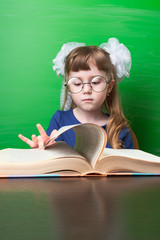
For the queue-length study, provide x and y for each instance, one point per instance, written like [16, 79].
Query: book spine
[145, 174]
[31, 176]
[133, 174]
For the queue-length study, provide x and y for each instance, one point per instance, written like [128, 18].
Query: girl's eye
[77, 84]
[97, 80]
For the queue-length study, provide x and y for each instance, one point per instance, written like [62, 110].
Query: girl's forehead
[93, 71]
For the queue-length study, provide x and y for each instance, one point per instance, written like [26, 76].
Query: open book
[88, 157]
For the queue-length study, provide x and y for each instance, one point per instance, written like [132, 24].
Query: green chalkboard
[33, 31]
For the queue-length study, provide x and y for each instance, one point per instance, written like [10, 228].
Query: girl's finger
[40, 142]
[35, 140]
[52, 135]
[26, 140]
[41, 131]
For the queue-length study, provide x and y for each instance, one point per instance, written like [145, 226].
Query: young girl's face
[87, 99]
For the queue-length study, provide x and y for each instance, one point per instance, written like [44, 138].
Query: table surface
[80, 208]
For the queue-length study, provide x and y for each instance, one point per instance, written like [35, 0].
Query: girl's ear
[111, 85]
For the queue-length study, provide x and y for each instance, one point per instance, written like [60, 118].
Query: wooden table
[80, 208]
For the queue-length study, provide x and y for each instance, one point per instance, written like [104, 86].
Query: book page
[90, 140]
[60, 131]
[131, 153]
[55, 151]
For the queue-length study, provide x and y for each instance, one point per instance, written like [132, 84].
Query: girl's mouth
[87, 100]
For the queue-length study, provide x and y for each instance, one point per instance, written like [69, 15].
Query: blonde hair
[80, 59]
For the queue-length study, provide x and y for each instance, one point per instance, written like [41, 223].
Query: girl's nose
[87, 88]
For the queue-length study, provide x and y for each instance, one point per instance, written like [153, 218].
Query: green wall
[33, 31]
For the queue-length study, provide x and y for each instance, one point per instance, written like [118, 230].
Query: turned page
[90, 140]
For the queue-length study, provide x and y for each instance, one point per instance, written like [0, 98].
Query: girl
[91, 74]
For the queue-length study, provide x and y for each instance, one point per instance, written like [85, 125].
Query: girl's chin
[88, 108]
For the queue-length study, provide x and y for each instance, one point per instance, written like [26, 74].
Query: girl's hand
[38, 141]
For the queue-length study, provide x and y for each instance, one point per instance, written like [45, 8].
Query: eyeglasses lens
[97, 84]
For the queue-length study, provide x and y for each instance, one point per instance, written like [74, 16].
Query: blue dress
[64, 118]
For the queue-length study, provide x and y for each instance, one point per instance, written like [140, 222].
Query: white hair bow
[59, 61]
[120, 57]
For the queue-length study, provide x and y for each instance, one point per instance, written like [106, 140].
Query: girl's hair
[80, 59]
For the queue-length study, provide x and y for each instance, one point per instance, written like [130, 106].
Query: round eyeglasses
[97, 84]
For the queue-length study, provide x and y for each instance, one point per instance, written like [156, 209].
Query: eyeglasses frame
[83, 83]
